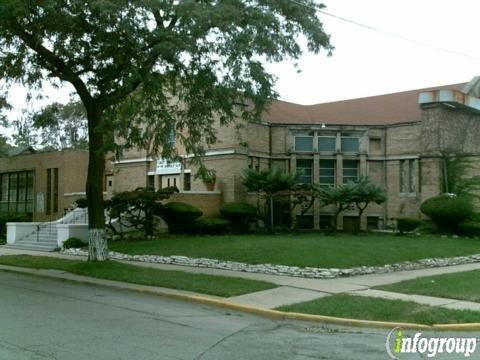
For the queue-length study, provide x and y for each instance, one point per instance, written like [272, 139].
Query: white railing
[73, 224]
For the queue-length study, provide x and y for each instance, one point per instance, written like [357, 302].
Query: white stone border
[284, 270]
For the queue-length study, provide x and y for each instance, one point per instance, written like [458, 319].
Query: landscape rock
[307, 272]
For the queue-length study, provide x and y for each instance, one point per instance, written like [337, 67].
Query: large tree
[169, 63]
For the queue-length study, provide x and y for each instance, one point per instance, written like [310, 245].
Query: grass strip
[206, 284]
[306, 250]
[368, 308]
[460, 285]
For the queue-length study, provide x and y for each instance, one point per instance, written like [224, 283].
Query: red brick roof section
[396, 108]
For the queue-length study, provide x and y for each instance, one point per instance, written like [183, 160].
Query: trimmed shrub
[447, 211]
[180, 216]
[469, 228]
[241, 214]
[211, 226]
[81, 203]
[406, 224]
[11, 217]
[73, 242]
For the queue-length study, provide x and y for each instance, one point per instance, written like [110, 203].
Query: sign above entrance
[165, 167]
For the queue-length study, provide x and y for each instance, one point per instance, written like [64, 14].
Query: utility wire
[395, 35]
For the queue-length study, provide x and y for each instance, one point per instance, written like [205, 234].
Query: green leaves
[268, 181]
[206, 55]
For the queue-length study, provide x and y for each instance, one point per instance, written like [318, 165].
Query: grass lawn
[314, 249]
[367, 308]
[206, 284]
[461, 285]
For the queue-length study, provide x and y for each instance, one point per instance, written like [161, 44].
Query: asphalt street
[49, 319]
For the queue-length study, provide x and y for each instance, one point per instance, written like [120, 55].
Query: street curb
[178, 295]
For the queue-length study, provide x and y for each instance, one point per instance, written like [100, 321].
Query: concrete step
[40, 238]
[30, 247]
[35, 236]
[29, 242]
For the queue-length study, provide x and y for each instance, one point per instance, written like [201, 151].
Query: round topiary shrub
[447, 210]
[211, 226]
[180, 216]
[73, 243]
[241, 214]
[407, 224]
[469, 228]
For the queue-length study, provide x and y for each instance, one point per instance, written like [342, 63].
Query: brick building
[42, 183]
[395, 139]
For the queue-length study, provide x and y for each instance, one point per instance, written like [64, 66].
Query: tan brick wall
[279, 140]
[209, 203]
[258, 138]
[404, 140]
[228, 169]
[72, 173]
[129, 176]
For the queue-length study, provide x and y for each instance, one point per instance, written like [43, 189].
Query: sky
[367, 62]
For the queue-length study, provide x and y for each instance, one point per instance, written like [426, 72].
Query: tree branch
[56, 65]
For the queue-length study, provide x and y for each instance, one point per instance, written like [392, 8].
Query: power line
[392, 34]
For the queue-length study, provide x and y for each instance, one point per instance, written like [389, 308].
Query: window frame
[320, 137]
[304, 176]
[302, 136]
[334, 176]
[357, 168]
[342, 138]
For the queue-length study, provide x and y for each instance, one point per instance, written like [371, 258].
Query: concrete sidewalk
[294, 289]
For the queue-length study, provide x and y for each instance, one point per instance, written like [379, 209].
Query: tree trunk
[97, 245]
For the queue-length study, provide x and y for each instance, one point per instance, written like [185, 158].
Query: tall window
[350, 144]
[4, 193]
[408, 176]
[304, 171]
[327, 172]
[151, 182]
[304, 143]
[187, 181]
[16, 192]
[52, 191]
[326, 143]
[49, 192]
[55, 190]
[350, 171]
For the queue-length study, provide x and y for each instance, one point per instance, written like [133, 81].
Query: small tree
[365, 193]
[267, 184]
[455, 178]
[360, 194]
[342, 197]
[135, 209]
[301, 196]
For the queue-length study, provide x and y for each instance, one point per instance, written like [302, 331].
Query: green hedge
[447, 211]
[11, 217]
[241, 214]
[406, 224]
[211, 226]
[469, 228]
[180, 216]
[73, 242]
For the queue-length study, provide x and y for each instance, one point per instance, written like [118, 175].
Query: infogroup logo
[399, 342]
